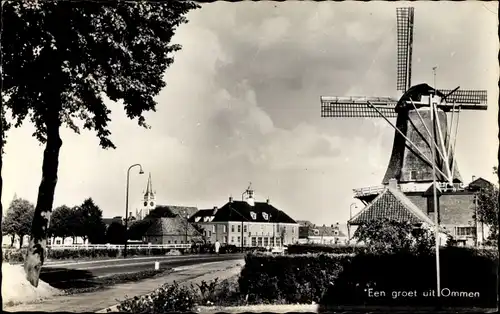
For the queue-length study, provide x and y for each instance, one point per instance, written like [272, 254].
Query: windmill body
[410, 163]
[422, 180]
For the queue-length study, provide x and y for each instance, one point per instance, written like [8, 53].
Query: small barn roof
[394, 205]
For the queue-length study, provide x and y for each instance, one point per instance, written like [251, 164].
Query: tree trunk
[21, 238]
[38, 243]
[13, 237]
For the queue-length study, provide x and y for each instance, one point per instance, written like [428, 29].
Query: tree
[201, 231]
[60, 222]
[385, 235]
[93, 228]
[115, 233]
[17, 221]
[487, 207]
[138, 228]
[61, 58]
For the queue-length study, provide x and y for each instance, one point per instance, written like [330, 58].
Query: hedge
[17, 256]
[335, 279]
[289, 279]
[323, 248]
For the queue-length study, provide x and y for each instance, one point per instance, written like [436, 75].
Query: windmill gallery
[422, 183]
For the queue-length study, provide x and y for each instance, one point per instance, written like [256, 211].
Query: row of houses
[249, 223]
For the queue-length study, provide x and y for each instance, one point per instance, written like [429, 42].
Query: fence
[115, 246]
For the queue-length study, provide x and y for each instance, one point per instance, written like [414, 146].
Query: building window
[239, 239]
[58, 241]
[266, 241]
[465, 231]
[244, 228]
[259, 241]
[293, 230]
[254, 241]
[430, 206]
[209, 233]
[224, 240]
[244, 241]
[413, 175]
[213, 228]
[168, 242]
[175, 241]
[232, 228]
[232, 239]
[239, 228]
[224, 228]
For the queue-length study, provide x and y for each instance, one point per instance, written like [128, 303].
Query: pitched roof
[170, 226]
[326, 231]
[305, 223]
[480, 183]
[394, 205]
[170, 211]
[109, 221]
[242, 211]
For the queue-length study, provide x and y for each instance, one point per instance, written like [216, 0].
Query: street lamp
[350, 210]
[126, 206]
[349, 222]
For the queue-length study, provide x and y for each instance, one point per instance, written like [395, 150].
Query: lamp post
[126, 206]
[350, 210]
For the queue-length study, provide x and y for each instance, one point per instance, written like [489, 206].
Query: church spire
[149, 189]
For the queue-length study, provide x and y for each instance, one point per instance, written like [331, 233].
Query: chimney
[215, 210]
[473, 178]
[267, 201]
[230, 199]
[393, 183]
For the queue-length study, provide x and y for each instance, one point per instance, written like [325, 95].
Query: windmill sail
[405, 47]
[356, 107]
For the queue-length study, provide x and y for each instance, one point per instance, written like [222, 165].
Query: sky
[242, 105]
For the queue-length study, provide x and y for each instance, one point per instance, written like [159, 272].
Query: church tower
[149, 198]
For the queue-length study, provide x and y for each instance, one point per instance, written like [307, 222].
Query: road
[81, 274]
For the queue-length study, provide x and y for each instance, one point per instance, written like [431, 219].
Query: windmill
[421, 118]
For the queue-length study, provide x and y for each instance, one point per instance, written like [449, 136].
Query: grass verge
[95, 284]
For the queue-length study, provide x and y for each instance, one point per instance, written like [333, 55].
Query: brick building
[171, 230]
[456, 210]
[247, 223]
[310, 233]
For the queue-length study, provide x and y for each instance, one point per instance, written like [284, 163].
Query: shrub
[168, 298]
[387, 236]
[323, 248]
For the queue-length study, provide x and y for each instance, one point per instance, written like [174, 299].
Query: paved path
[313, 308]
[97, 301]
[78, 275]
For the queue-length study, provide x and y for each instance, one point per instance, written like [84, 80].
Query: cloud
[242, 104]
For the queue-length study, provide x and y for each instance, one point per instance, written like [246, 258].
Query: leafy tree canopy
[61, 58]
[92, 225]
[487, 206]
[64, 56]
[18, 218]
[115, 233]
[385, 235]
